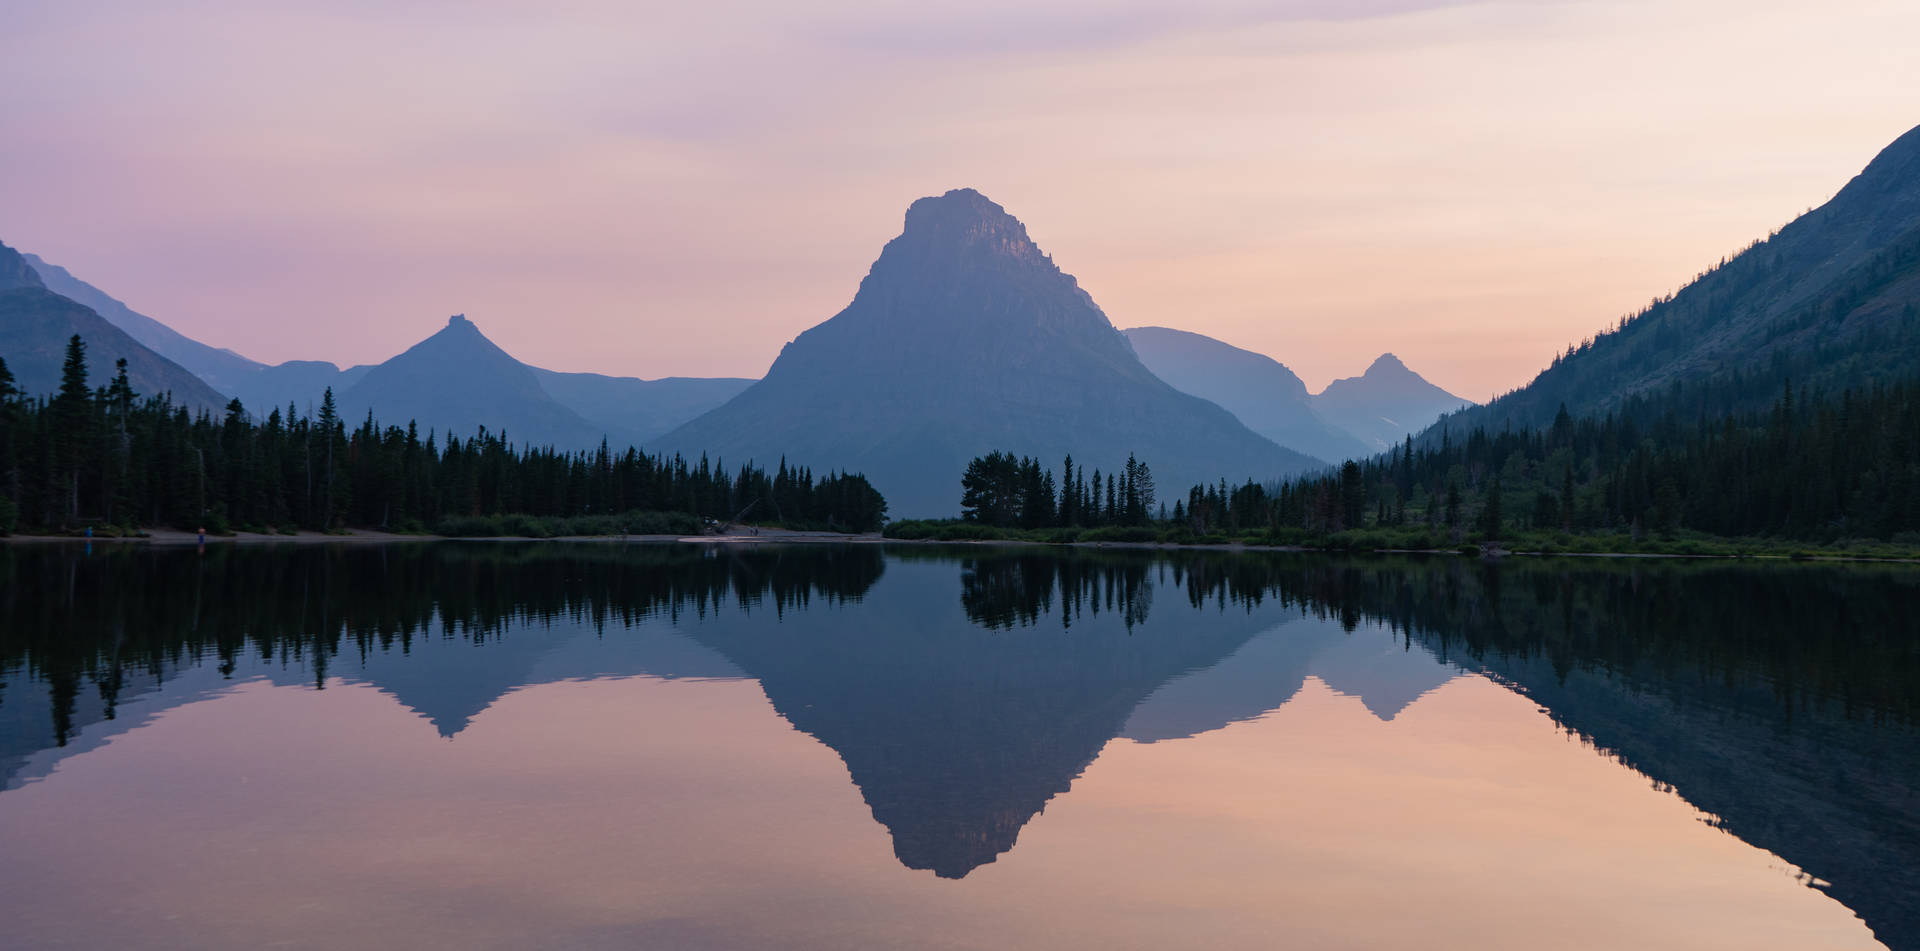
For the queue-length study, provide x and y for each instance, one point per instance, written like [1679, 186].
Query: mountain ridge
[36, 324]
[1257, 389]
[218, 367]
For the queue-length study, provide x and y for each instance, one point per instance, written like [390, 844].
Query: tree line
[1004, 491]
[109, 457]
[1813, 467]
[1808, 468]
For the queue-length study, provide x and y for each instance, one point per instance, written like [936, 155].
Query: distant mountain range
[965, 338]
[455, 381]
[1353, 418]
[1830, 301]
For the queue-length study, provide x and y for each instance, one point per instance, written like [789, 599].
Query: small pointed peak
[459, 327]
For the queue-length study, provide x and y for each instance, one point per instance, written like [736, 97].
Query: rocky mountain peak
[965, 219]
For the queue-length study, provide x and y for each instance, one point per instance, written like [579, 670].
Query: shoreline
[171, 538]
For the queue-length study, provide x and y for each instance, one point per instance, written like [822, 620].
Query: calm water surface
[604, 745]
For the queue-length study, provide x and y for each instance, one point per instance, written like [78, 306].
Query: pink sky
[681, 190]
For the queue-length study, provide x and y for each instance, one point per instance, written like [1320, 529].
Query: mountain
[965, 338]
[642, 410]
[1828, 302]
[1254, 387]
[36, 323]
[1385, 404]
[457, 381]
[221, 369]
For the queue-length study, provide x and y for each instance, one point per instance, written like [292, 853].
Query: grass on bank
[1422, 538]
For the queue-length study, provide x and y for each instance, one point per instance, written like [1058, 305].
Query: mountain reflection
[965, 688]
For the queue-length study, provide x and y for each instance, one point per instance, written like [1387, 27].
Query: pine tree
[334, 494]
[1566, 499]
[1069, 511]
[1353, 495]
[72, 411]
[117, 469]
[1143, 489]
[9, 452]
[1093, 501]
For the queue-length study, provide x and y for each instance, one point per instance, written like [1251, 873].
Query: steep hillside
[1828, 302]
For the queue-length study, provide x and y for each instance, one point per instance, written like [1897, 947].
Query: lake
[608, 745]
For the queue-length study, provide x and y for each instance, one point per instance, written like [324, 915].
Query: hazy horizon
[680, 192]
